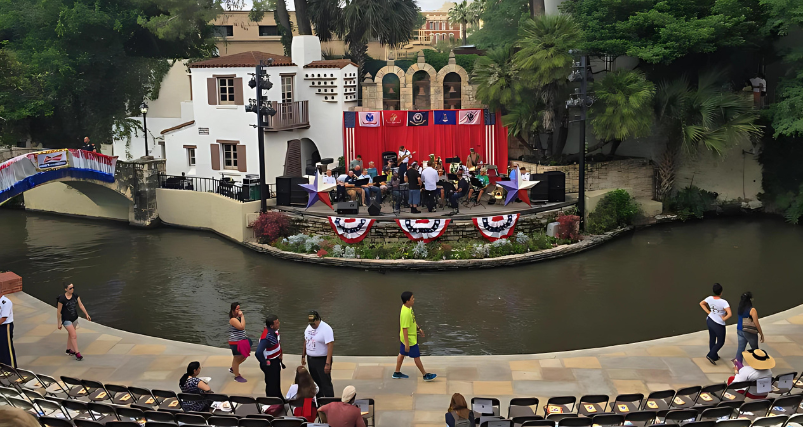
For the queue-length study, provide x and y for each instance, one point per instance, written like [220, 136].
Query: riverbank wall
[206, 211]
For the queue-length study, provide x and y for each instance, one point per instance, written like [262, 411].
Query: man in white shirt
[718, 311]
[7, 354]
[319, 346]
[525, 176]
[430, 177]
[329, 179]
[403, 159]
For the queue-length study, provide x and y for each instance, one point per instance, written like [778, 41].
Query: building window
[191, 156]
[224, 31]
[287, 88]
[268, 30]
[229, 156]
[225, 90]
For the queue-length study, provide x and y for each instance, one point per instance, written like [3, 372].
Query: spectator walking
[343, 413]
[269, 354]
[238, 341]
[303, 391]
[191, 383]
[318, 349]
[458, 414]
[67, 315]
[409, 338]
[7, 354]
[747, 329]
[718, 311]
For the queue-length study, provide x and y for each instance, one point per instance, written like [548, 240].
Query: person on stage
[319, 346]
[369, 190]
[473, 160]
[353, 190]
[462, 189]
[403, 159]
[7, 354]
[486, 185]
[525, 176]
[372, 170]
[269, 354]
[409, 338]
[413, 179]
[430, 178]
[514, 171]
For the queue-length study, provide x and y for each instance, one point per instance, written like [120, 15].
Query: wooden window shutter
[215, 150]
[242, 164]
[238, 91]
[292, 159]
[211, 91]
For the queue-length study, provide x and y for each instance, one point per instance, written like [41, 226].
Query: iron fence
[226, 187]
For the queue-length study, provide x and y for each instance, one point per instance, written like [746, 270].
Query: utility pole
[261, 82]
[581, 99]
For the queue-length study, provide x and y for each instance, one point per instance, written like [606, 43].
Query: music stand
[452, 176]
[361, 182]
[380, 179]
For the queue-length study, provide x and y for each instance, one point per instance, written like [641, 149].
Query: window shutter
[215, 150]
[242, 164]
[238, 91]
[211, 90]
[292, 158]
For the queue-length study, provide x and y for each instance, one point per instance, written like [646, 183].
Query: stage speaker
[556, 186]
[347, 208]
[374, 209]
[540, 191]
[288, 191]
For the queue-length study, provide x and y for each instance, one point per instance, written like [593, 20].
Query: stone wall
[206, 211]
[389, 231]
[633, 174]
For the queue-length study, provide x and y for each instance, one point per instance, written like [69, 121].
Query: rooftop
[244, 59]
[330, 63]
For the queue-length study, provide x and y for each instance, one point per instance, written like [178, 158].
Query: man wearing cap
[343, 413]
[319, 346]
[757, 364]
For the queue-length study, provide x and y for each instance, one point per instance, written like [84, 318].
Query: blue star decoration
[518, 188]
[318, 191]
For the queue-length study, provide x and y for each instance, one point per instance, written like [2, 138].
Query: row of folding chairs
[58, 422]
[685, 418]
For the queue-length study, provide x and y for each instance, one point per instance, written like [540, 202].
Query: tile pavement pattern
[116, 356]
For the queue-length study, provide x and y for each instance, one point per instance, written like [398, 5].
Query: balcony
[289, 116]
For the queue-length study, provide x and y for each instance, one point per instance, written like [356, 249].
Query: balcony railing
[226, 187]
[289, 115]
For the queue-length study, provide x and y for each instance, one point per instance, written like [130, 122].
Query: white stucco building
[215, 136]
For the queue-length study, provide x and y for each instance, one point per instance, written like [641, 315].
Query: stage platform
[322, 211]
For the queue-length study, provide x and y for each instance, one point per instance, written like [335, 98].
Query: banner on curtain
[351, 230]
[496, 227]
[469, 117]
[445, 117]
[425, 230]
[417, 118]
[393, 118]
[369, 119]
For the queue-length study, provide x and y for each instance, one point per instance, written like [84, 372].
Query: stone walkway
[115, 356]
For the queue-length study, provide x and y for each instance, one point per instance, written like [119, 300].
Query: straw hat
[758, 359]
[349, 392]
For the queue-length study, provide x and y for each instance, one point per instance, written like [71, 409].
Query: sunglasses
[71, 288]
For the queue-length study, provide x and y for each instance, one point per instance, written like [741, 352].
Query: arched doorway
[421, 90]
[391, 87]
[452, 91]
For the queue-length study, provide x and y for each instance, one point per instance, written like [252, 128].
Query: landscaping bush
[270, 226]
[692, 202]
[616, 209]
[569, 227]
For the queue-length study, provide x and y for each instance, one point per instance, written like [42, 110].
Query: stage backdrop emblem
[426, 230]
[469, 117]
[496, 227]
[393, 118]
[351, 230]
[445, 117]
[369, 119]
[417, 118]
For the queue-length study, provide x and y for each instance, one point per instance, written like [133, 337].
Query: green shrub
[794, 208]
[692, 202]
[616, 209]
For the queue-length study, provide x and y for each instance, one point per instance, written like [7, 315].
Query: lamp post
[261, 106]
[144, 109]
[580, 99]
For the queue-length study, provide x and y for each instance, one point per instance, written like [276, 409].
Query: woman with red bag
[301, 395]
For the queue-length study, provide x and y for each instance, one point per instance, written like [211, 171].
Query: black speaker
[556, 186]
[347, 208]
[540, 191]
[374, 209]
[288, 191]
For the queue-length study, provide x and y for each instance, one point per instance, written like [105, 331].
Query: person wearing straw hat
[757, 364]
[343, 413]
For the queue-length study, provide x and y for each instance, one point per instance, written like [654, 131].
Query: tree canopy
[500, 23]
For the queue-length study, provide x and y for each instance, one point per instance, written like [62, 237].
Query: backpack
[460, 422]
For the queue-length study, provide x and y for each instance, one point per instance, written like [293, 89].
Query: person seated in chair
[371, 170]
[757, 364]
[462, 190]
[352, 190]
[487, 187]
[369, 189]
[343, 413]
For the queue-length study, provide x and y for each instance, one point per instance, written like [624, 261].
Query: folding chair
[627, 403]
[54, 422]
[287, 422]
[254, 422]
[24, 405]
[187, 399]
[219, 398]
[190, 419]
[96, 391]
[497, 423]
[700, 424]
[784, 383]
[53, 388]
[49, 408]
[575, 422]
[28, 380]
[486, 406]
[10, 392]
[159, 424]
[658, 400]
[518, 421]
[367, 405]
[732, 391]
[168, 400]
[119, 394]
[733, 423]
[558, 417]
[159, 417]
[522, 407]
[732, 405]
[754, 410]
[709, 395]
[8, 376]
[102, 412]
[143, 397]
[786, 405]
[130, 414]
[87, 423]
[797, 383]
[681, 416]
[327, 400]
[77, 410]
[640, 418]
[222, 421]
[608, 420]
[30, 395]
[592, 404]
[716, 414]
[685, 397]
[560, 405]
[244, 405]
[795, 419]
[122, 424]
[75, 390]
[776, 421]
[265, 402]
[538, 423]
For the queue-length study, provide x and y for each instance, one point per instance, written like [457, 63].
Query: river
[178, 284]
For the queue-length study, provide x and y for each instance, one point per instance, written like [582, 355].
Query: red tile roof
[244, 59]
[177, 127]
[330, 63]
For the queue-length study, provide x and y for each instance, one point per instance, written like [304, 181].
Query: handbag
[748, 325]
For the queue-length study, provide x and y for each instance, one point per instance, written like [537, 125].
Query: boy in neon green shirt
[408, 335]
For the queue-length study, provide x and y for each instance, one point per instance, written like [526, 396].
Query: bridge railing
[226, 187]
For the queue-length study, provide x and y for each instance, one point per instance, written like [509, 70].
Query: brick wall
[10, 283]
[635, 174]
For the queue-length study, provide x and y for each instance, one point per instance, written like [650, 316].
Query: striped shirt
[270, 346]
[236, 335]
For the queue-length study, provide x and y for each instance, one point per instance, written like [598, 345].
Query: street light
[144, 109]
[263, 109]
[580, 99]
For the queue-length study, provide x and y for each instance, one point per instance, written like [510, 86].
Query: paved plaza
[115, 356]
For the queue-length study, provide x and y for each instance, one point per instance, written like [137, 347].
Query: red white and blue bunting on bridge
[354, 230]
[496, 227]
[29, 170]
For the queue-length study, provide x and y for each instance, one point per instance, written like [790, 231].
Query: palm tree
[302, 18]
[622, 108]
[496, 79]
[460, 14]
[544, 62]
[475, 10]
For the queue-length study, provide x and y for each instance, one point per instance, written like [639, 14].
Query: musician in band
[430, 178]
[462, 189]
[369, 190]
[473, 160]
[351, 189]
[487, 187]
[403, 159]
